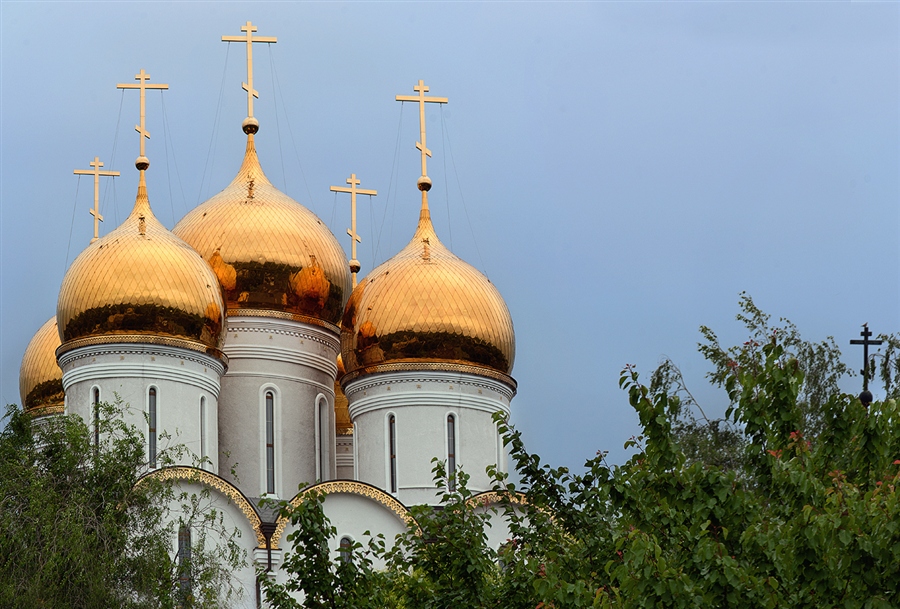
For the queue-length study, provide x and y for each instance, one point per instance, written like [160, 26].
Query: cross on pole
[421, 89]
[249, 28]
[95, 211]
[142, 85]
[865, 342]
[353, 181]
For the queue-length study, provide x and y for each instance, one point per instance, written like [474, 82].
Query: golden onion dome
[40, 378]
[140, 283]
[273, 257]
[426, 305]
[343, 426]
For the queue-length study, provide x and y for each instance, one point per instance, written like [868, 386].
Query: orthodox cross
[421, 89]
[95, 211]
[865, 342]
[249, 39]
[142, 77]
[353, 181]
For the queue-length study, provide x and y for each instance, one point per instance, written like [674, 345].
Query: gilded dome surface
[271, 254]
[343, 426]
[40, 378]
[427, 305]
[143, 281]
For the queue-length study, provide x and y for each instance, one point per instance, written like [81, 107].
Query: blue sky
[621, 171]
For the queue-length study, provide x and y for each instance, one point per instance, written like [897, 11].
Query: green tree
[314, 575]
[721, 441]
[810, 516]
[80, 527]
[814, 526]
[444, 560]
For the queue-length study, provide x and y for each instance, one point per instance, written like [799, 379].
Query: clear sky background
[621, 171]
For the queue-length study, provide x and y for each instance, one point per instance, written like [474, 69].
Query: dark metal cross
[865, 342]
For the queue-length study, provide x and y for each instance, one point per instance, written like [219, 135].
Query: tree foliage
[80, 527]
[805, 512]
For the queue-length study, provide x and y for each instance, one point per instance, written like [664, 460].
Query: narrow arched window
[151, 409]
[270, 443]
[324, 441]
[96, 408]
[392, 447]
[203, 432]
[184, 561]
[346, 549]
[451, 453]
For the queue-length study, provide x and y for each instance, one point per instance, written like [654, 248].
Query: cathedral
[244, 335]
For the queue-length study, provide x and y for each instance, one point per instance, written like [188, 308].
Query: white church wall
[296, 362]
[180, 378]
[420, 402]
[216, 494]
[354, 509]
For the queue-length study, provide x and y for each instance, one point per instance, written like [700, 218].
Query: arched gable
[193, 474]
[351, 487]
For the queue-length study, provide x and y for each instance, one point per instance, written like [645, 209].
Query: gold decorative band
[488, 498]
[144, 339]
[346, 486]
[313, 321]
[42, 411]
[192, 474]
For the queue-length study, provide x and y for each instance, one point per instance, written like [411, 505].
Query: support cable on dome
[112, 164]
[446, 178]
[278, 124]
[376, 243]
[166, 143]
[280, 92]
[465, 207]
[212, 138]
[72, 225]
[333, 210]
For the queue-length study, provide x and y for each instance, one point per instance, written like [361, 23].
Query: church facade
[243, 335]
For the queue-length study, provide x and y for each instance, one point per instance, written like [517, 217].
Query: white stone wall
[421, 401]
[344, 457]
[353, 514]
[234, 522]
[296, 361]
[180, 376]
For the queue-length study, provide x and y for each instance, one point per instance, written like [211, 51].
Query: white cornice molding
[144, 370]
[284, 327]
[281, 354]
[367, 383]
[420, 398]
[326, 389]
[163, 351]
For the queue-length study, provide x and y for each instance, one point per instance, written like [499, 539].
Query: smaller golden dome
[273, 257]
[343, 426]
[40, 378]
[141, 283]
[426, 305]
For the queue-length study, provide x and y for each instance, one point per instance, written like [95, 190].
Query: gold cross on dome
[95, 211]
[249, 39]
[353, 181]
[142, 85]
[421, 89]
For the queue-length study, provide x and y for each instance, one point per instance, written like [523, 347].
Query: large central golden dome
[140, 283]
[272, 255]
[426, 305]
